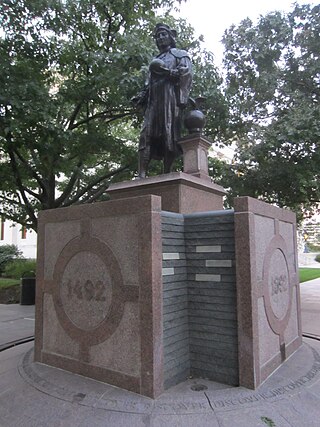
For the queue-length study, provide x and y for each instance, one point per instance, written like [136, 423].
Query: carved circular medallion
[89, 292]
[85, 290]
[277, 284]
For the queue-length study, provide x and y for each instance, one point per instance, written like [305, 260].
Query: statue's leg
[144, 159]
[168, 160]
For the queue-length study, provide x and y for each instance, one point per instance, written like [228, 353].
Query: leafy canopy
[273, 89]
[68, 70]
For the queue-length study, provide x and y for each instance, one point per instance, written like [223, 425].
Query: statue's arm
[184, 69]
[141, 99]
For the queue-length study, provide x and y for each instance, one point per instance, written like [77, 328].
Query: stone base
[99, 290]
[140, 298]
[180, 192]
[268, 295]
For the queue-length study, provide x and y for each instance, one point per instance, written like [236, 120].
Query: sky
[211, 18]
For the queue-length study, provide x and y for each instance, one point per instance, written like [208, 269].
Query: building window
[1, 229]
[23, 233]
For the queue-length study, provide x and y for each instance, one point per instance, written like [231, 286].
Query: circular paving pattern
[190, 397]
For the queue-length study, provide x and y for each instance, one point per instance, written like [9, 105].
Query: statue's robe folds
[165, 98]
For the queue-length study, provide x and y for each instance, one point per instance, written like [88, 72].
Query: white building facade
[15, 234]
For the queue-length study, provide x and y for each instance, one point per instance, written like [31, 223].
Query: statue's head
[163, 34]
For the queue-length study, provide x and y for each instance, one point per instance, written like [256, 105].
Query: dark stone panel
[214, 286]
[212, 351]
[227, 273]
[175, 297]
[177, 348]
[212, 292]
[214, 363]
[175, 301]
[178, 271]
[191, 243]
[214, 368]
[209, 228]
[174, 378]
[179, 243]
[193, 256]
[224, 280]
[214, 314]
[175, 263]
[203, 338]
[171, 340]
[172, 235]
[209, 217]
[170, 219]
[170, 287]
[177, 278]
[175, 308]
[209, 347]
[177, 361]
[212, 326]
[216, 234]
[176, 325]
[174, 293]
[221, 300]
[176, 225]
[200, 325]
[172, 317]
[227, 251]
[231, 378]
[171, 333]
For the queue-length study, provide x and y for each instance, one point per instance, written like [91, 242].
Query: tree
[273, 87]
[67, 71]
[7, 254]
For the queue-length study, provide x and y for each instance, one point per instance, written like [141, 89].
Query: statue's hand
[140, 99]
[182, 69]
[174, 73]
[135, 100]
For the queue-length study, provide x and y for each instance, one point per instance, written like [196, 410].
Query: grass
[5, 283]
[308, 274]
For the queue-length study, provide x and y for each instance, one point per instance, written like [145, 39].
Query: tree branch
[29, 168]
[103, 115]
[69, 186]
[88, 187]
[98, 193]
[10, 201]
[74, 115]
[28, 207]
[93, 195]
[33, 194]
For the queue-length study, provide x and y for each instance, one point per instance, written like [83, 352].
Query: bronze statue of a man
[164, 98]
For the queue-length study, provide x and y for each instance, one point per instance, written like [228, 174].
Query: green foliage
[20, 268]
[7, 254]
[313, 248]
[7, 283]
[67, 127]
[268, 421]
[317, 258]
[272, 70]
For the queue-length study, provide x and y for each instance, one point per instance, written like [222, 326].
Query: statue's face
[163, 39]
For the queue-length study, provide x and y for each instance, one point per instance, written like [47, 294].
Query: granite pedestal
[160, 284]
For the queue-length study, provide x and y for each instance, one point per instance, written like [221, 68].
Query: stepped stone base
[180, 192]
[144, 290]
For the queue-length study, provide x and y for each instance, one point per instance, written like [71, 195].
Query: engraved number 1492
[87, 290]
